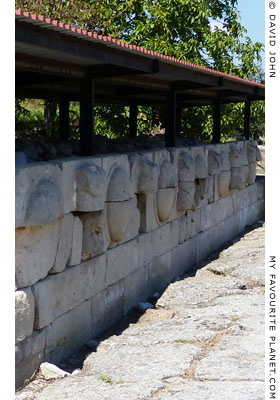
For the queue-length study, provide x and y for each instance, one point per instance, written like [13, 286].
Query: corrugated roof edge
[108, 40]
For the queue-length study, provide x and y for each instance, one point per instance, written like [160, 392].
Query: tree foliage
[206, 32]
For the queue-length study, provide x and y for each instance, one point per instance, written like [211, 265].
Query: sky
[253, 19]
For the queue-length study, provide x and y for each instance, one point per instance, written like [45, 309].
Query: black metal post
[86, 118]
[247, 119]
[64, 128]
[133, 121]
[178, 120]
[217, 121]
[170, 129]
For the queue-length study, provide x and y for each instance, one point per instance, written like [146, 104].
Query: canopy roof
[53, 58]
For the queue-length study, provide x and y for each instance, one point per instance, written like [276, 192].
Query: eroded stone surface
[24, 313]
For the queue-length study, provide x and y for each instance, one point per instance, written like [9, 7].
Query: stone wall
[96, 235]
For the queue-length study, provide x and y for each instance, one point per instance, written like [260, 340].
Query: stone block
[240, 199]
[123, 220]
[91, 188]
[210, 241]
[119, 186]
[214, 162]
[235, 158]
[251, 152]
[121, 261]
[168, 175]
[201, 168]
[35, 252]
[255, 212]
[147, 208]
[24, 314]
[186, 167]
[156, 243]
[107, 308]
[159, 273]
[68, 332]
[165, 203]
[224, 179]
[237, 178]
[194, 223]
[60, 293]
[64, 244]
[260, 185]
[243, 154]
[95, 234]
[39, 199]
[69, 168]
[245, 174]
[201, 190]
[29, 355]
[144, 173]
[252, 173]
[135, 288]
[77, 243]
[216, 212]
[225, 161]
[183, 257]
[232, 226]
[186, 193]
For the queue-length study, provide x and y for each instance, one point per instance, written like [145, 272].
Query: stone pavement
[203, 341]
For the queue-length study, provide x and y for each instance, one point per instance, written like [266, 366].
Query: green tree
[208, 33]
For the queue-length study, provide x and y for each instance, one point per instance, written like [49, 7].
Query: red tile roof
[112, 42]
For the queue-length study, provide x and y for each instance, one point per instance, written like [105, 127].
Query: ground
[204, 339]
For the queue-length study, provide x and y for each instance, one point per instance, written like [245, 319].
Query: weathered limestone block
[186, 168]
[144, 174]
[60, 293]
[119, 186]
[201, 186]
[260, 187]
[159, 272]
[91, 187]
[121, 261]
[158, 242]
[36, 249]
[64, 244]
[201, 169]
[243, 154]
[252, 173]
[183, 257]
[77, 243]
[158, 156]
[239, 177]
[214, 162]
[147, 207]
[135, 288]
[107, 308]
[38, 196]
[209, 241]
[235, 158]
[168, 175]
[95, 235]
[251, 152]
[68, 332]
[123, 220]
[186, 193]
[24, 313]
[29, 355]
[165, 203]
[224, 179]
[69, 183]
[258, 154]
[225, 161]
[216, 212]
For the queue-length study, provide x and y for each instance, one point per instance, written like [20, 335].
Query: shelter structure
[63, 63]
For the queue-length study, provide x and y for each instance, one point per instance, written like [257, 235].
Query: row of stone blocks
[110, 266]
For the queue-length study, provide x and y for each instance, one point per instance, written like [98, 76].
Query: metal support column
[133, 121]
[247, 119]
[86, 118]
[217, 121]
[64, 127]
[170, 129]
